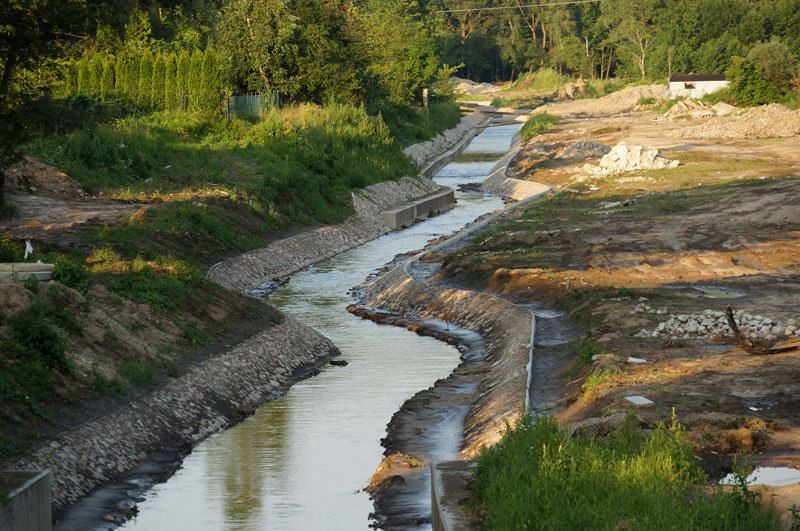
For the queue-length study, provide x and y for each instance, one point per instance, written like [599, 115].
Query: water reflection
[300, 462]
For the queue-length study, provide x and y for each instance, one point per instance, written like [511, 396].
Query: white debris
[624, 158]
[636, 360]
[639, 400]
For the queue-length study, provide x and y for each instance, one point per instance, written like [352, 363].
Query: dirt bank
[646, 260]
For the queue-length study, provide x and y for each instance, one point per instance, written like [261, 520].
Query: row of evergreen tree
[187, 82]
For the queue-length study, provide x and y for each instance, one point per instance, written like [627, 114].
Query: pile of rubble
[583, 150]
[714, 323]
[698, 109]
[624, 158]
[767, 121]
[466, 86]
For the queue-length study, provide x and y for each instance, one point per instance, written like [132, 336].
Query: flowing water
[301, 461]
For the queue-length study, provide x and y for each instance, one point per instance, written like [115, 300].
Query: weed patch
[538, 124]
[539, 477]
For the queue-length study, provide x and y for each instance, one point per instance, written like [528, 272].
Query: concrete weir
[429, 205]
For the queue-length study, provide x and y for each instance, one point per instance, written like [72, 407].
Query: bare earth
[726, 230]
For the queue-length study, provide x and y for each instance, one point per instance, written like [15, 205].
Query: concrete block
[28, 505]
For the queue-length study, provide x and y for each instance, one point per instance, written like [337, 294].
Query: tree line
[644, 39]
[184, 81]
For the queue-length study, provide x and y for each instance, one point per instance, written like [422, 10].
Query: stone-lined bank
[251, 270]
[221, 391]
[212, 395]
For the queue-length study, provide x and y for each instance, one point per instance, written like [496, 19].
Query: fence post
[425, 99]
[228, 105]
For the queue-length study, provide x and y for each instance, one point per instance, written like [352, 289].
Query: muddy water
[301, 461]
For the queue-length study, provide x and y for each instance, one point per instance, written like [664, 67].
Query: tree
[211, 85]
[182, 79]
[71, 77]
[775, 61]
[403, 58]
[748, 86]
[193, 83]
[171, 83]
[132, 78]
[144, 87]
[84, 74]
[107, 80]
[120, 73]
[258, 42]
[158, 82]
[95, 75]
[631, 27]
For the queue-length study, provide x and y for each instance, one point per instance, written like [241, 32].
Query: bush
[748, 86]
[34, 335]
[159, 291]
[138, 374]
[72, 275]
[538, 124]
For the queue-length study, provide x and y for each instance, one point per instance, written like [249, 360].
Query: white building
[695, 85]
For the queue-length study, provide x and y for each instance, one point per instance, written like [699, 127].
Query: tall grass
[543, 80]
[538, 124]
[539, 477]
[409, 125]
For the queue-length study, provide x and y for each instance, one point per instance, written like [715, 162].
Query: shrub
[35, 336]
[210, 88]
[107, 80]
[182, 79]
[587, 349]
[776, 62]
[171, 84]
[72, 275]
[538, 124]
[159, 291]
[748, 86]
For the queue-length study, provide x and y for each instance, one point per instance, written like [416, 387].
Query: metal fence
[251, 104]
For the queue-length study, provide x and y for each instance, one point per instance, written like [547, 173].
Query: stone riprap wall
[247, 272]
[506, 187]
[211, 396]
[424, 152]
[506, 329]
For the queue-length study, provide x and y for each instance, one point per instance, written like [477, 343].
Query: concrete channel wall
[27, 507]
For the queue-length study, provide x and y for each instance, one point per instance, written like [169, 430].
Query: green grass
[645, 101]
[538, 124]
[138, 374]
[543, 80]
[596, 379]
[409, 125]
[539, 477]
[587, 349]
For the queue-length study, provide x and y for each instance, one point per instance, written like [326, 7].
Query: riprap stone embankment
[211, 396]
[250, 270]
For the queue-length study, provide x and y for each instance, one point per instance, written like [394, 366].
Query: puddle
[708, 292]
[768, 476]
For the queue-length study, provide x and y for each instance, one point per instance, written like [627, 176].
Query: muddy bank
[428, 427]
[251, 270]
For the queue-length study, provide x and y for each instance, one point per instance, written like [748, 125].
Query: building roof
[697, 77]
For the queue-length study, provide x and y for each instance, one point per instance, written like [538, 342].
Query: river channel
[301, 462]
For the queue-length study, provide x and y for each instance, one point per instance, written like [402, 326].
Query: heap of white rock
[624, 158]
[714, 322]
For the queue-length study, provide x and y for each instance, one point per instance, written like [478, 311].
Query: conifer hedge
[186, 82]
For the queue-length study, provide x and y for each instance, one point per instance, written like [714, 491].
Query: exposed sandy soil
[723, 228]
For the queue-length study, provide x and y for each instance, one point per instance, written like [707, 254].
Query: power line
[500, 8]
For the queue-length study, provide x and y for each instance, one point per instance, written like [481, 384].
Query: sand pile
[767, 121]
[617, 102]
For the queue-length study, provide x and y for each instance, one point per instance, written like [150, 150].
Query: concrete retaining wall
[407, 214]
[28, 505]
